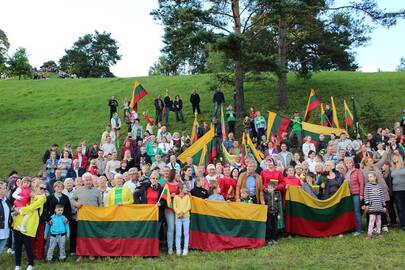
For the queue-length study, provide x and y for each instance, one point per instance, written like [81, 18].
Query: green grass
[37, 113]
[298, 253]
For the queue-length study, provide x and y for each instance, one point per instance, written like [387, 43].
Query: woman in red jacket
[356, 182]
[272, 174]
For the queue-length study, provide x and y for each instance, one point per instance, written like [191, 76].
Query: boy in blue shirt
[57, 229]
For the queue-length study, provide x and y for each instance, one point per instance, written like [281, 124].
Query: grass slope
[298, 253]
[35, 114]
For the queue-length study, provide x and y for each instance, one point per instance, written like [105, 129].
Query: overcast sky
[47, 27]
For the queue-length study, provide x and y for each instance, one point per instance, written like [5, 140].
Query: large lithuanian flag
[318, 218]
[217, 225]
[127, 230]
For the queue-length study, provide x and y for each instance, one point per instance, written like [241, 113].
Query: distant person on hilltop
[168, 107]
[116, 126]
[195, 102]
[218, 99]
[113, 104]
[159, 106]
[178, 108]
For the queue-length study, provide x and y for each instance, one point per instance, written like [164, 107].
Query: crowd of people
[41, 211]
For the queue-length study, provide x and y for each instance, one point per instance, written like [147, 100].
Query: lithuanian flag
[319, 218]
[194, 129]
[217, 226]
[313, 103]
[259, 156]
[138, 92]
[324, 118]
[348, 116]
[167, 196]
[335, 122]
[314, 131]
[277, 124]
[201, 150]
[127, 230]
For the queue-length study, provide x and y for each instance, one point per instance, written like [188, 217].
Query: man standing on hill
[195, 101]
[168, 107]
[218, 99]
[113, 104]
[159, 106]
[296, 129]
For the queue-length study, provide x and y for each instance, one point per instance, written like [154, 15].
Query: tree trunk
[239, 73]
[282, 66]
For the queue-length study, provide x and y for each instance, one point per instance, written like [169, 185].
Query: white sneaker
[170, 251]
[178, 252]
[185, 252]
[385, 229]
[30, 267]
[17, 268]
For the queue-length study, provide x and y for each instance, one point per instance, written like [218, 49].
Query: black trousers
[391, 211]
[20, 240]
[272, 227]
[73, 235]
[196, 107]
[231, 126]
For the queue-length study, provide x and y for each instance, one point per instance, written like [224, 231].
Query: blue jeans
[357, 211]
[185, 224]
[399, 199]
[3, 243]
[54, 241]
[170, 217]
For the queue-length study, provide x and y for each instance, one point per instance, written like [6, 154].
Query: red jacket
[272, 175]
[292, 181]
[227, 186]
[357, 182]
[84, 160]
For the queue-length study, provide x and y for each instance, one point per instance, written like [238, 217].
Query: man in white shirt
[111, 166]
[108, 147]
[308, 146]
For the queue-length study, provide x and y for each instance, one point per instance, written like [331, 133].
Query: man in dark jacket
[195, 101]
[5, 216]
[218, 99]
[159, 106]
[168, 107]
[113, 104]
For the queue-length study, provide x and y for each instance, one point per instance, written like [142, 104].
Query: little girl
[374, 204]
[22, 196]
[182, 207]
[214, 193]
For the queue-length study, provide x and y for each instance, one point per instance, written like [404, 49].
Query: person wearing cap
[343, 142]
[273, 199]
[132, 180]
[211, 177]
[296, 128]
[252, 182]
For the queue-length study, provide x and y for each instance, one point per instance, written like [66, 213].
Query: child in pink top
[22, 197]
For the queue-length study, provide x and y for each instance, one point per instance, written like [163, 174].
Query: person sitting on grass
[57, 230]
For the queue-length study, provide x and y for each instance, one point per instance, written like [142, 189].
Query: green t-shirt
[297, 126]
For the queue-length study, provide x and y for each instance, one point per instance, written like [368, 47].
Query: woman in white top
[116, 125]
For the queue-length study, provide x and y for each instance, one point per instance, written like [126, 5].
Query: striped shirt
[374, 198]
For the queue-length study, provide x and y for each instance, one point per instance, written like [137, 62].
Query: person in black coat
[57, 198]
[5, 215]
[168, 107]
[218, 99]
[198, 191]
[178, 108]
[195, 102]
[113, 104]
[159, 106]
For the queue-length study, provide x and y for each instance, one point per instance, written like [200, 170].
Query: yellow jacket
[182, 205]
[35, 209]
[126, 196]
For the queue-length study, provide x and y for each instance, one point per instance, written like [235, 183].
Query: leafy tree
[18, 64]
[4, 45]
[161, 67]
[91, 55]
[51, 65]
[401, 66]
[276, 35]
[371, 115]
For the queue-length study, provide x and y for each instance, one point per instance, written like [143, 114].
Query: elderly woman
[5, 216]
[398, 186]
[25, 238]
[119, 195]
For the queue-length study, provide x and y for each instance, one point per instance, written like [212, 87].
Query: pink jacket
[357, 182]
[25, 195]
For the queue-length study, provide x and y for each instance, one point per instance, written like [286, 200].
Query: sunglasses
[42, 188]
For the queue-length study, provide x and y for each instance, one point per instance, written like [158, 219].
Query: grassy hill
[35, 114]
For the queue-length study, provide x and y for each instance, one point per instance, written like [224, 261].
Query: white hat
[211, 167]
